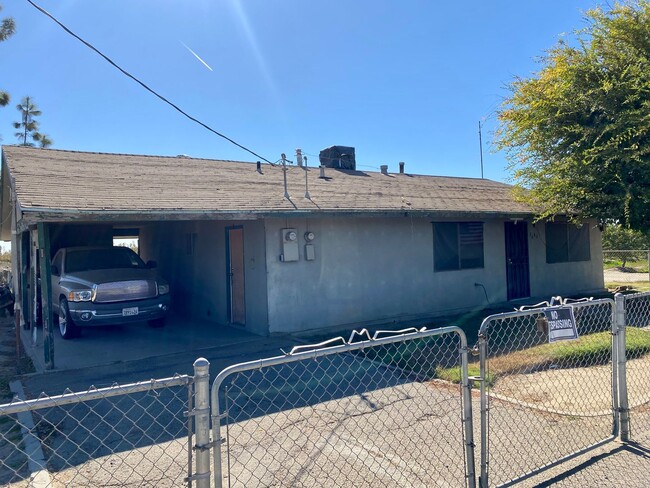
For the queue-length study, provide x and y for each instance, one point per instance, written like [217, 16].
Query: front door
[517, 272]
[236, 289]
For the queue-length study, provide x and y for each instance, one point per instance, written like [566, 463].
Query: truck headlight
[80, 296]
[163, 289]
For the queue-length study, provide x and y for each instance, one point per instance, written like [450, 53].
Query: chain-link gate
[382, 411]
[545, 399]
[635, 325]
[123, 435]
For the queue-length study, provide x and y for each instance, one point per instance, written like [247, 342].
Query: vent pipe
[284, 170]
[401, 167]
[259, 167]
[307, 195]
[384, 169]
[322, 171]
[299, 157]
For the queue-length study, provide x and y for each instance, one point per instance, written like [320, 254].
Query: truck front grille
[120, 291]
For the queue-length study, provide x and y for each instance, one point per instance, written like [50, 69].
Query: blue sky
[399, 80]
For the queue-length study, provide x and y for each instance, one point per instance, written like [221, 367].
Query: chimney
[322, 171]
[384, 169]
[401, 167]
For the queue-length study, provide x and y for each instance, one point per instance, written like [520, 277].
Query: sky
[398, 80]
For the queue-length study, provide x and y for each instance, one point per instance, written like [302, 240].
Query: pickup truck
[94, 286]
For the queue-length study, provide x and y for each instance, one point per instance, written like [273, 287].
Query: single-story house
[285, 249]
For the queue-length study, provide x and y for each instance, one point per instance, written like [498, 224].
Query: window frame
[458, 244]
[569, 249]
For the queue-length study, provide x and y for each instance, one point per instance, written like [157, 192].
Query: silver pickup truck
[93, 286]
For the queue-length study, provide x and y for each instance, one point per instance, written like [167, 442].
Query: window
[101, 258]
[56, 264]
[567, 242]
[457, 245]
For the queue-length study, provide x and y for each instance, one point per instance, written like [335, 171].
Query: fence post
[202, 422]
[467, 413]
[619, 339]
[482, 344]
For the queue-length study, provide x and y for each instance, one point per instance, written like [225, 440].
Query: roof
[57, 181]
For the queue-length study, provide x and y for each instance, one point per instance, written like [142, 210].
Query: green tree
[7, 29]
[577, 133]
[29, 126]
[617, 237]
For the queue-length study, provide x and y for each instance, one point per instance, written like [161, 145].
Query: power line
[143, 85]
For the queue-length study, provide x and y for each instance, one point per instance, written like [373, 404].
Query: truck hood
[99, 276]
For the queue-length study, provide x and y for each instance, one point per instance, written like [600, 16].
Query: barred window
[567, 243]
[457, 245]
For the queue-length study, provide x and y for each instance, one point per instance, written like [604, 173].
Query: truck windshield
[109, 258]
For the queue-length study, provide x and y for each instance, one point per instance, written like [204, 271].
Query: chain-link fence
[542, 400]
[626, 266]
[637, 364]
[130, 435]
[391, 409]
[383, 411]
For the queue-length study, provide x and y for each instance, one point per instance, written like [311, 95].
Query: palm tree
[28, 125]
[7, 28]
[43, 140]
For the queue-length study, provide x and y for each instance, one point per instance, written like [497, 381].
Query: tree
[29, 126]
[7, 29]
[617, 237]
[577, 133]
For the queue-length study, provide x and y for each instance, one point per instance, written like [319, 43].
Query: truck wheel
[67, 327]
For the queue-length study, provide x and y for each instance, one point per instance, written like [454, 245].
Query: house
[333, 248]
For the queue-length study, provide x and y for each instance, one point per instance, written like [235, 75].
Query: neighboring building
[366, 247]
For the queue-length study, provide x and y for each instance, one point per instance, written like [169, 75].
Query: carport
[53, 199]
[130, 343]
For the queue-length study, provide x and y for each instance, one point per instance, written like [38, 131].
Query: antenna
[480, 143]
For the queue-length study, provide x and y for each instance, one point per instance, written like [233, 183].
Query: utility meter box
[290, 252]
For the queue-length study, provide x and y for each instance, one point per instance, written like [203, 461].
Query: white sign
[561, 324]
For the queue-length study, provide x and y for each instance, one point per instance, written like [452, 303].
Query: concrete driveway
[123, 354]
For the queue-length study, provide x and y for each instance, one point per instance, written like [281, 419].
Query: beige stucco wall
[199, 280]
[381, 270]
[563, 279]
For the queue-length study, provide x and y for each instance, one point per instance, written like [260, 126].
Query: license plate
[128, 312]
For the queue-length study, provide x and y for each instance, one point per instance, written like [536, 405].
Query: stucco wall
[381, 270]
[372, 270]
[563, 279]
[198, 276]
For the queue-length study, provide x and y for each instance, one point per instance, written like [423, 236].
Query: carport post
[202, 422]
[46, 294]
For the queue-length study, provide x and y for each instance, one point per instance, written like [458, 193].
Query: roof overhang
[32, 216]
[6, 202]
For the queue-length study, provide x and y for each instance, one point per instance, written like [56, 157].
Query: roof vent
[384, 169]
[340, 157]
[401, 167]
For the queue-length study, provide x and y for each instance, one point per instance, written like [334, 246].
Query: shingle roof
[57, 180]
